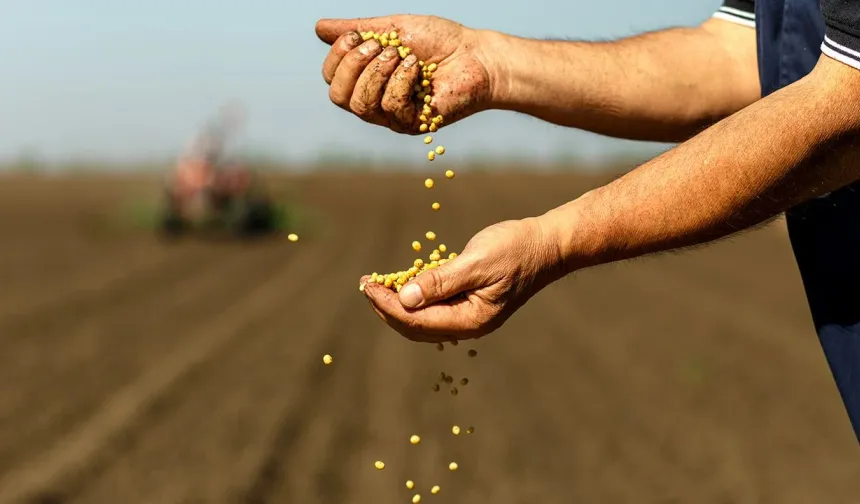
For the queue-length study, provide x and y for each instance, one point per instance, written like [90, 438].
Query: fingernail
[370, 46]
[410, 60]
[355, 38]
[411, 296]
[388, 53]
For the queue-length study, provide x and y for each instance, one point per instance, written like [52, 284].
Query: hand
[377, 86]
[472, 295]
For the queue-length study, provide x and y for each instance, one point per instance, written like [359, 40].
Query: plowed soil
[137, 371]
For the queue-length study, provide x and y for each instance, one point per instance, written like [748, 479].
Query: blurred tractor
[208, 192]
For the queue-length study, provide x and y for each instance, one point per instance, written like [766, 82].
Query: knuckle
[437, 284]
[361, 108]
[394, 104]
[337, 97]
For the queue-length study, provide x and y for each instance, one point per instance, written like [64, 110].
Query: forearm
[661, 86]
[790, 147]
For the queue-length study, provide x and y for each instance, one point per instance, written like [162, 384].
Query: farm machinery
[208, 192]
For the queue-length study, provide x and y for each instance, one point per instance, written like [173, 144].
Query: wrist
[570, 233]
[497, 51]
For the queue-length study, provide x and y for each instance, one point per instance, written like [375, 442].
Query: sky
[124, 80]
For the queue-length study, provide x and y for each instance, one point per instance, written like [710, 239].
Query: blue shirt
[825, 232]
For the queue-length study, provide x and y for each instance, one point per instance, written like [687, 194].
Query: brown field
[136, 372]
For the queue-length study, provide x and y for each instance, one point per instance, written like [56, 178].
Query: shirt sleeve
[738, 11]
[842, 32]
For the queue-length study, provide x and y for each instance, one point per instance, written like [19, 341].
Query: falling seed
[440, 346]
[293, 237]
[464, 382]
[456, 430]
[379, 465]
[416, 498]
[327, 359]
[442, 376]
[435, 489]
[473, 353]
[455, 342]
[449, 379]
[470, 430]
[435, 387]
[453, 466]
[454, 391]
[414, 439]
[410, 484]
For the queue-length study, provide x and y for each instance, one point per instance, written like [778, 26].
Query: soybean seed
[423, 128]
[433, 127]
[428, 139]
[449, 174]
[293, 237]
[327, 359]
[379, 465]
[435, 206]
[430, 235]
[456, 430]
[440, 150]
[454, 391]
[435, 387]
[428, 183]
[464, 381]
[440, 346]
[453, 466]
[470, 430]
[472, 353]
[435, 489]
[410, 484]
[442, 248]
[416, 246]
[416, 499]
[431, 156]
[432, 67]
[414, 439]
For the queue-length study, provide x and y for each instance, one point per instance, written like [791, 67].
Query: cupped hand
[375, 84]
[499, 270]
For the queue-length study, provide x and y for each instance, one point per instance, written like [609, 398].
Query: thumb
[328, 30]
[439, 284]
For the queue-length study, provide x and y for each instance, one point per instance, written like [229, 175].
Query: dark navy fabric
[825, 232]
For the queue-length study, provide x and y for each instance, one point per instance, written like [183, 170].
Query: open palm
[376, 85]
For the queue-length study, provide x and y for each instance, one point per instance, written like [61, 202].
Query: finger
[439, 322]
[328, 30]
[367, 97]
[344, 44]
[375, 291]
[349, 69]
[397, 100]
[459, 275]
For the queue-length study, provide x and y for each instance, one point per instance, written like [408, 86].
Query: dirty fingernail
[354, 38]
[410, 60]
[388, 53]
[411, 296]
